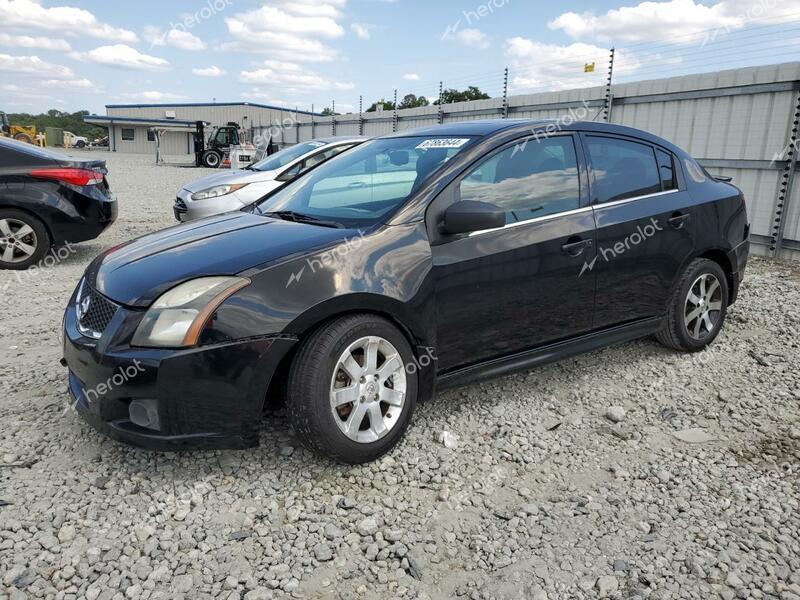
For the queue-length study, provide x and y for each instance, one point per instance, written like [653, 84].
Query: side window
[128, 135]
[622, 169]
[534, 179]
[321, 157]
[151, 136]
[667, 170]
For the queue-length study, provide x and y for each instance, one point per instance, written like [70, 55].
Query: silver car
[232, 190]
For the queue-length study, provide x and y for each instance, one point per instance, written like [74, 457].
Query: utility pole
[333, 118]
[440, 116]
[394, 115]
[505, 94]
[609, 99]
[787, 183]
[361, 115]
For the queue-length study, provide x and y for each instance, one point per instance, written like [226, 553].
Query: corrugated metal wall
[735, 122]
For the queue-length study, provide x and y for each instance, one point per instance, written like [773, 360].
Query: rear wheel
[698, 307]
[211, 159]
[349, 393]
[23, 239]
[23, 137]
[80, 144]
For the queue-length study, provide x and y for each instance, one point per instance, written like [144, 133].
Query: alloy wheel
[703, 307]
[18, 241]
[368, 389]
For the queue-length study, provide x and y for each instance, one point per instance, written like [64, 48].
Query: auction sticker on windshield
[442, 143]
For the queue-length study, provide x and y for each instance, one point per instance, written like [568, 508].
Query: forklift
[210, 152]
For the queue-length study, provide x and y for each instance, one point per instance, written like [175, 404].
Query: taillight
[80, 177]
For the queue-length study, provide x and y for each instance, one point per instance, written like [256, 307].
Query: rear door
[645, 226]
[505, 290]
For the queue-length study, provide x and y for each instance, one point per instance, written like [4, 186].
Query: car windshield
[285, 156]
[366, 184]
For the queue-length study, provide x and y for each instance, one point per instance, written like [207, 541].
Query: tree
[328, 112]
[387, 105]
[471, 93]
[412, 101]
[55, 118]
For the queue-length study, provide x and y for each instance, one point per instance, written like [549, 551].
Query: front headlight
[217, 191]
[177, 318]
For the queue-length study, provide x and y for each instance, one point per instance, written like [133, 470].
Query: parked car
[414, 262]
[76, 141]
[48, 199]
[231, 190]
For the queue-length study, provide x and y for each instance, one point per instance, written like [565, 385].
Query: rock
[323, 552]
[286, 450]
[259, 593]
[620, 566]
[794, 433]
[66, 534]
[606, 585]
[447, 439]
[367, 527]
[183, 583]
[615, 414]
[694, 436]
[733, 580]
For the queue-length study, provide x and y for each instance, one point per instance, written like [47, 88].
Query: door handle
[575, 246]
[678, 219]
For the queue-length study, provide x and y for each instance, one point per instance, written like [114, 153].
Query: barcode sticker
[442, 143]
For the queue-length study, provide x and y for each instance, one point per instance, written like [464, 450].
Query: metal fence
[741, 123]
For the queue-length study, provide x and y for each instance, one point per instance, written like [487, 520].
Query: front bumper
[207, 397]
[185, 209]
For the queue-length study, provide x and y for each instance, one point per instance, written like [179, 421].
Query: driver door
[505, 290]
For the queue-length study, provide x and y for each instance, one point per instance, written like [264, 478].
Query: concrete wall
[734, 122]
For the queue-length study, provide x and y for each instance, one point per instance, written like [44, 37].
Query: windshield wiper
[296, 217]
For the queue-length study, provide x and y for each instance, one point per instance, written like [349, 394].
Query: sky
[83, 54]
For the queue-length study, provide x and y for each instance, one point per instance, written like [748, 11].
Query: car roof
[340, 139]
[488, 127]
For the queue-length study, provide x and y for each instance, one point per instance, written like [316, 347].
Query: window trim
[122, 134]
[679, 183]
[306, 157]
[450, 195]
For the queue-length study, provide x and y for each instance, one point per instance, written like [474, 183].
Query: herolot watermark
[639, 236]
[472, 16]
[121, 376]
[329, 258]
[754, 11]
[192, 20]
[573, 116]
[53, 257]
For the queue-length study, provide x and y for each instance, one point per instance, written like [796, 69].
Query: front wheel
[211, 159]
[350, 395]
[697, 308]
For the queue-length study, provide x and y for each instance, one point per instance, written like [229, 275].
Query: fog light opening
[144, 413]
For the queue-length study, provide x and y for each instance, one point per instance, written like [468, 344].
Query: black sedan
[48, 200]
[419, 260]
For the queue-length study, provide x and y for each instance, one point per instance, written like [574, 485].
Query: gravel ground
[631, 472]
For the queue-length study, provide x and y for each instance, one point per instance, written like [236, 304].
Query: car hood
[226, 177]
[138, 272]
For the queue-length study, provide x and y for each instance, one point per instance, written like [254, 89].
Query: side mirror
[398, 158]
[467, 216]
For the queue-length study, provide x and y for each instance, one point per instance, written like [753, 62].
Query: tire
[80, 144]
[35, 237]
[23, 137]
[211, 159]
[316, 375]
[694, 320]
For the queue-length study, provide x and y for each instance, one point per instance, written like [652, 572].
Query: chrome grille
[94, 312]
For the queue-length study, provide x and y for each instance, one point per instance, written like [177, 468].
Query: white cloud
[123, 57]
[23, 15]
[290, 77]
[474, 38]
[535, 65]
[153, 96]
[288, 29]
[678, 21]
[362, 30]
[33, 65]
[26, 41]
[177, 38]
[411, 77]
[212, 71]
[84, 83]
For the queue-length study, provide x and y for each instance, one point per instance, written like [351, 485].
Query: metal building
[130, 125]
